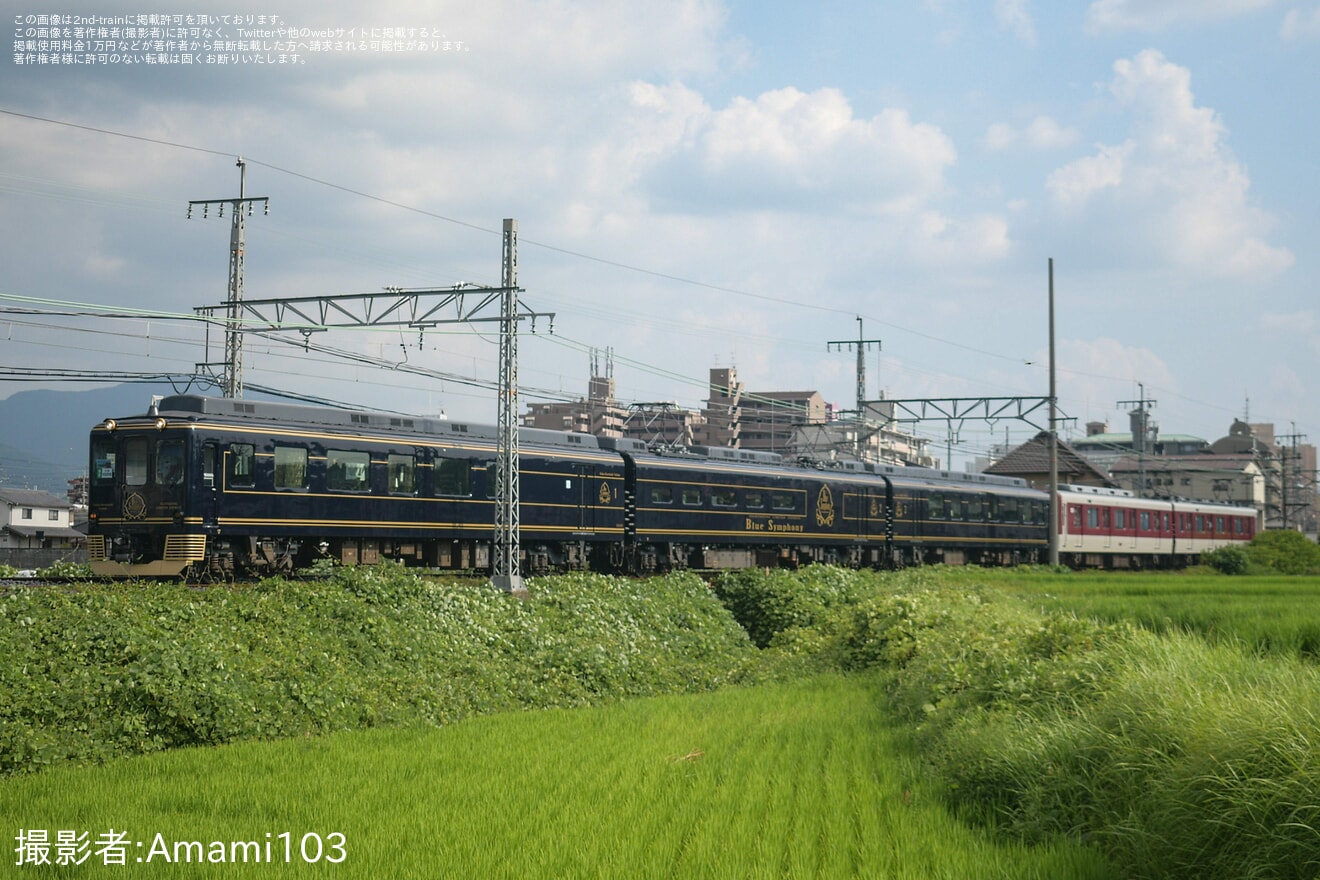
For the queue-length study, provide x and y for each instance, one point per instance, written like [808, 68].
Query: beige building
[31, 520]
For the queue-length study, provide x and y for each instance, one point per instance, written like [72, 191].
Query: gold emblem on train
[135, 507]
[604, 492]
[824, 507]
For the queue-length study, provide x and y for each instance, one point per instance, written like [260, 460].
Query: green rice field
[810, 780]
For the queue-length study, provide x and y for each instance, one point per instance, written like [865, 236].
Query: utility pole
[863, 346]
[1054, 438]
[505, 574]
[1140, 424]
[1289, 456]
[240, 208]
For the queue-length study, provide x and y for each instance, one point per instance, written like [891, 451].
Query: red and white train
[1112, 528]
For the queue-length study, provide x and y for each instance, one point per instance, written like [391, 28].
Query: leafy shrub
[767, 603]
[1285, 551]
[126, 668]
[1228, 560]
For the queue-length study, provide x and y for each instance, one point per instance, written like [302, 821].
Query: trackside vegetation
[1126, 714]
[1177, 756]
[91, 674]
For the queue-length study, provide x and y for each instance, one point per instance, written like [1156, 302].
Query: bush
[1228, 560]
[86, 675]
[1285, 551]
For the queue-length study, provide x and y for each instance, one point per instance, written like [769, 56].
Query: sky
[697, 184]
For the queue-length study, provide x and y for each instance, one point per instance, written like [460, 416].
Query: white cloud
[1012, 15]
[1042, 133]
[1301, 24]
[1302, 322]
[786, 149]
[1158, 15]
[1173, 188]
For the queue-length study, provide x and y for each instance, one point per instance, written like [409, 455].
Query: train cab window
[169, 462]
[290, 467]
[347, 471]
[242, 458]
[691, 496]
[720, 497]
[104, 457]
[135, 461]
[783, 501]
[402, 474]
[755, 499]
[453, 476]
[662, 495]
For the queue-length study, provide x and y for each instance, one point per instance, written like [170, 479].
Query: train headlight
[160, 424]
[109, 424]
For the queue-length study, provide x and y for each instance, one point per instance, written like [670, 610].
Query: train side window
[347, 471]
[994, 508]
[104, 457]
[755, 499]
[956, 507]
[720, 497]
[135, 461]
[691, 496]
[935, 504]
[662, 494]
[402, 474]
[1145, 520]
[1120, 519]
[974, 507]
[242, 458]
[783, 501]
[169, 462]
[1010, 510]
[1219, 524]
[453, 476]
[1092, 517]
[290, 467]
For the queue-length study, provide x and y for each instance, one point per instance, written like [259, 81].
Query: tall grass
[810, 779]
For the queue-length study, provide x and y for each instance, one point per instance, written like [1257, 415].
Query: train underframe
[222, 558]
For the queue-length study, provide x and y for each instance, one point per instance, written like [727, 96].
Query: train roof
[192, 406]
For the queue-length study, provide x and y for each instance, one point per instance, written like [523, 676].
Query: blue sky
[703, 184]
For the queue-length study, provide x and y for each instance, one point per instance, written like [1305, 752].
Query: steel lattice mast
[232, 381]
[505, 573]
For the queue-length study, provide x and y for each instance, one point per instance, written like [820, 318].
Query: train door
[208, 493]
[588, 488]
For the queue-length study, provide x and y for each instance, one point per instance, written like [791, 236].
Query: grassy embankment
[1175, 755]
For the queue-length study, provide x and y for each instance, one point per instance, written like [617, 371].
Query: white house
[31, 520]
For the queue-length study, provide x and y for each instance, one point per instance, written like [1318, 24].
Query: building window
[27, 513]
[53, 515]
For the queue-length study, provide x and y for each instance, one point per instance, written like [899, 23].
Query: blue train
[219, 488]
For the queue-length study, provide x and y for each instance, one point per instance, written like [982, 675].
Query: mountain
[43, 433]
